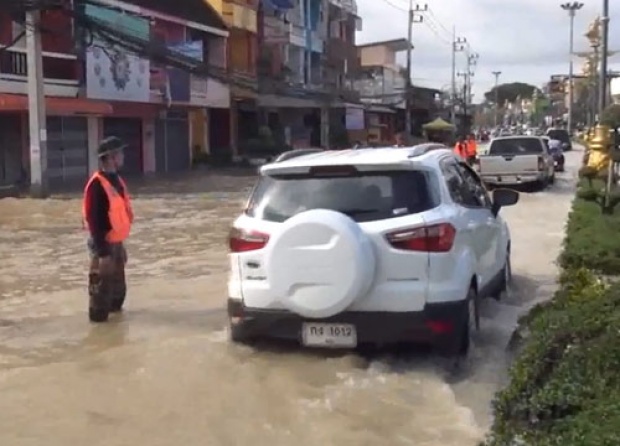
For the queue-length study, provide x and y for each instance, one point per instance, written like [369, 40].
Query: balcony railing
[276, 31]
[56, 66]
[61, 72]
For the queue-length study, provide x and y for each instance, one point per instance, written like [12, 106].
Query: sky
[527, 40]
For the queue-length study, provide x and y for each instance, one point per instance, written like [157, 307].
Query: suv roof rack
[423, 149]
[295, 153]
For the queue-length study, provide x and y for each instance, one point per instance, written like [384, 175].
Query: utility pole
[462, 123]
[497, 74]
[414, 15]
[36, 107]
[458, 45]
[472, 60]
[572, 8]
[602, 88]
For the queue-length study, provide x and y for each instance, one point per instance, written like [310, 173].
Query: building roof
[396, 45]
[198, 11]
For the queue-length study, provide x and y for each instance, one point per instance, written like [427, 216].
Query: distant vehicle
[555, 149]
[368, 246]
[514, 160]
[561, 135]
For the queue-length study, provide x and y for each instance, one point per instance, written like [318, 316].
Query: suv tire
[237, 336]
[460, 342]
[506, 278]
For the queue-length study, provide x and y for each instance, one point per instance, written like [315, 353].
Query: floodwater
[163, 372]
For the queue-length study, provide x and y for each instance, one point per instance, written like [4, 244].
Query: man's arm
[98, 217]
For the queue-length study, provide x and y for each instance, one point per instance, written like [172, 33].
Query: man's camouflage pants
[107, 288]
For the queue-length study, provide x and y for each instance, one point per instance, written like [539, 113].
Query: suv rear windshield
[516, 146]
[367, 197]
[559, 135]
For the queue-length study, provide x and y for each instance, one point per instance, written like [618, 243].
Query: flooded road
[163, 373]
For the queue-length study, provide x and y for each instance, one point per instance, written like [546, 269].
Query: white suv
[340, 248]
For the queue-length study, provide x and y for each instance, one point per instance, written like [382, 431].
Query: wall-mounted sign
[354, 118]
[111, 72]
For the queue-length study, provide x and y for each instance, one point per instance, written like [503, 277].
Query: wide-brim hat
[109, 145]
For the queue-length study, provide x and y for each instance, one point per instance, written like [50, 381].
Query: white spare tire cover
[319, 263]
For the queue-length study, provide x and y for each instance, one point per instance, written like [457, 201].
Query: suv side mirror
[502, 198]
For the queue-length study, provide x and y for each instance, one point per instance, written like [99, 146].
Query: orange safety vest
[120, 213]
[472, 149]
[460, 149]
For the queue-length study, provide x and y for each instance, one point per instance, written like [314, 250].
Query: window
[459, 189]
[516, 146]
[368, 197]
[475, 186]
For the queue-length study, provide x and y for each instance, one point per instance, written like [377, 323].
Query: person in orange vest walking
[460, 148]
[472, 150]
[108, 216]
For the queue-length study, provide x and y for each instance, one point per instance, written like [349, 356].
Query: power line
[438, 22]
[433, 28]
[395, 6]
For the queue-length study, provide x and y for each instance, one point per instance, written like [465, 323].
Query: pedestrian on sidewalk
[107, 215]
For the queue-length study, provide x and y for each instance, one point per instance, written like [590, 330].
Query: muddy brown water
[163, 373]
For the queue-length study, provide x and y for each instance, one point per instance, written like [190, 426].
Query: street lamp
[572, 8]
[497, 74]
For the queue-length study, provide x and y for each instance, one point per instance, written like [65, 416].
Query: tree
[611, 116]
[510, 92]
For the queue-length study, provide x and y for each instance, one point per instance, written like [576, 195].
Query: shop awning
[439, 124]
[54, 105]
[380, 109]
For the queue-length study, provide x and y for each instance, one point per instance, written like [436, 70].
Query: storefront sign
[111, 72]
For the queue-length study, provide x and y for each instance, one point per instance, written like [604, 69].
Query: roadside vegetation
[565, 381]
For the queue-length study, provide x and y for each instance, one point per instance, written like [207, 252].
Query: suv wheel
[237, 334]
[506, 278]
[460, 343]
[472, 324]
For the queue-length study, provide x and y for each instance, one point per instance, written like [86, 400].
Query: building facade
[382, 86]
[239, 122]
[95, 88]
[303, 85]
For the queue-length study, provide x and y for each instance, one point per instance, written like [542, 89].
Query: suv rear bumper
[437, 324]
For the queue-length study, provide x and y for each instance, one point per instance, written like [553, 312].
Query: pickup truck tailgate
[508, 164]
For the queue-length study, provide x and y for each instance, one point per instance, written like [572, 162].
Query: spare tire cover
[319, 263]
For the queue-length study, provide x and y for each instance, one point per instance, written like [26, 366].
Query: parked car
[514, 160]
[561, 135]
[555, 149]
[367, 246]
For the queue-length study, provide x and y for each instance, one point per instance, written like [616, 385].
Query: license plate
[509, 179]
[329, 335]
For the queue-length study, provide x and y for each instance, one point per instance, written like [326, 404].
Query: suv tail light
[242, 240]
[541, 163]
[433, 238]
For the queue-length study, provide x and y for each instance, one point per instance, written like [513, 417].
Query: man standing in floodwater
[107, 215]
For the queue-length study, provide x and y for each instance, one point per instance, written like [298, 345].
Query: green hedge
[565, 383]
[592, 239]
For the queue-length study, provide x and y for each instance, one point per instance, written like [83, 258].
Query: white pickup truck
[514, 160]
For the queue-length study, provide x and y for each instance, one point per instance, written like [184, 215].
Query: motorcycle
[558, 158]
